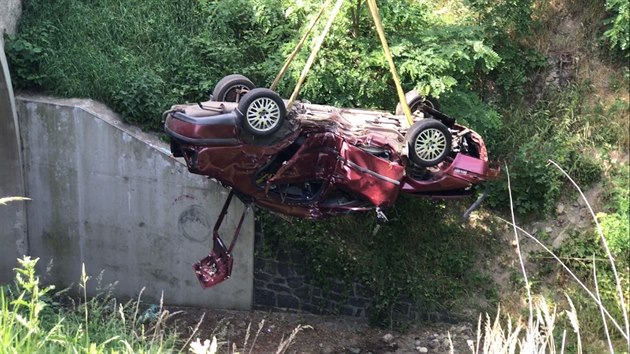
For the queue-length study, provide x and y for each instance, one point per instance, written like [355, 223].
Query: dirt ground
[265, 331]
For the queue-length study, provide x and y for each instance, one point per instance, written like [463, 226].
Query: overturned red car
[313, 161]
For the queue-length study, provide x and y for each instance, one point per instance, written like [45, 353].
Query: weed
[31, 321]
[537, 335]
[561, 129]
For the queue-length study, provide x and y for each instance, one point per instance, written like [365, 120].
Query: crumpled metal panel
[372, 178]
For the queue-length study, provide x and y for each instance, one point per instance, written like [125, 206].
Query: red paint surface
[324, 168]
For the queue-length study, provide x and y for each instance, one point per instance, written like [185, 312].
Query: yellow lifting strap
[314, 52]
[285, 67]
[381, 34]
[390, 60]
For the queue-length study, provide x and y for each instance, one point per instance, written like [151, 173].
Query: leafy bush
[431, 56]
[507, 26]
[27, 57]
[618, 32]
[536, 187]
[517, 70]
[140, 98]
[469, 110]
[557, 129]
[615, 219]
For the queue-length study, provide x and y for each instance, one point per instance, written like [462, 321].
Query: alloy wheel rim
[430, 144]
[263, 114]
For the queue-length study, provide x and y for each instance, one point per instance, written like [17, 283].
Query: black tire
[176, 149]
[429, 142]
[232, 88]
[415, 102]
[262, 112]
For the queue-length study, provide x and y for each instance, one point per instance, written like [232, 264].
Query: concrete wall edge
[102, 111]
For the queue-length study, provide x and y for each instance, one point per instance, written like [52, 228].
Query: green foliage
[583, 251]
[244, 36]
[507, 25]
[615, 225]
[326, 253]
[616, 217]
[141, 97]
[578, 253]
[99, 50]
[518, 66]
[479, 116]
[422, 253]
[142, 57]
[31, 321]
[20, 315]
[27, 57]
[535, 186]
[618, 23]
[557, 129]
[431, 56]
[513, 17]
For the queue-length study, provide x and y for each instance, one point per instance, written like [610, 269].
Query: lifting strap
[390, 60]
[285, 67]
[381, 34]
[314, 52]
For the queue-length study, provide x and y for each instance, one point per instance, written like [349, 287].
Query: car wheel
[416, 102]
[429, 142]
[232, 88]
[176, 149]
[262, 112]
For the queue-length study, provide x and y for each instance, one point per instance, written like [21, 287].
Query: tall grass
[540, 333]
[31, 321]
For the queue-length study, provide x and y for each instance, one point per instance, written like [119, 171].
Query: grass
[99, 51]
[543, 332]
[32, 321]
[35, 319]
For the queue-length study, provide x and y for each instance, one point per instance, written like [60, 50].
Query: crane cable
[285, 67]
[381, 34]
[314, 52]
[390, 60]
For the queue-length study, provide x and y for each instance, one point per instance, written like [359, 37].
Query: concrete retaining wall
[112, 197]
